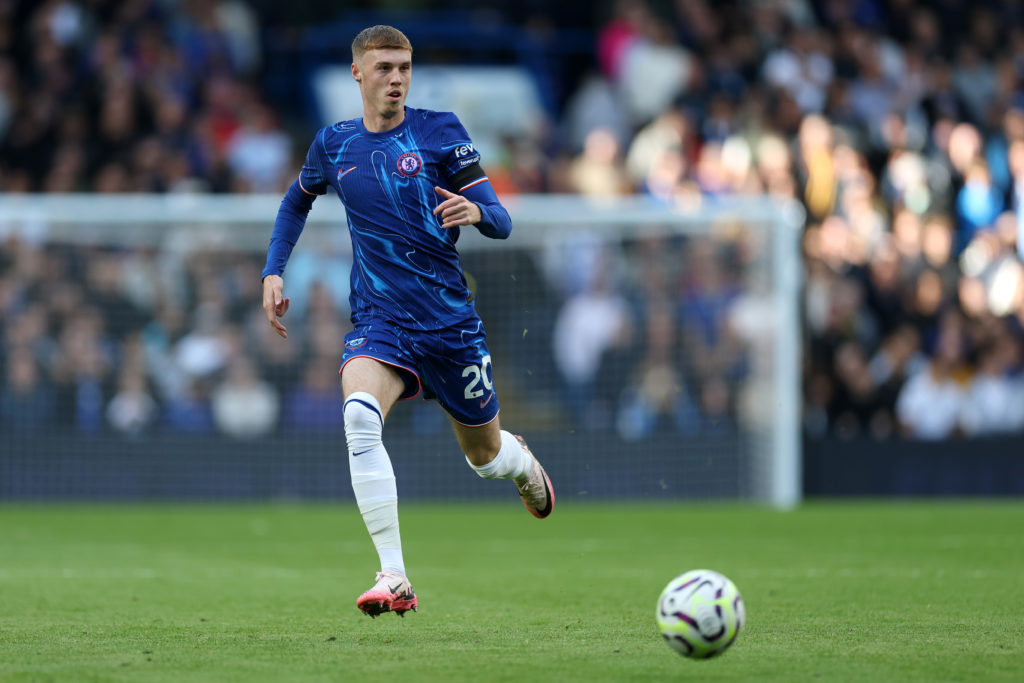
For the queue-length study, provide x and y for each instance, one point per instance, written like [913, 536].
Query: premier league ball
[700, 613]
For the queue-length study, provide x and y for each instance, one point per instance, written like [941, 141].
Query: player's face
[383, 77]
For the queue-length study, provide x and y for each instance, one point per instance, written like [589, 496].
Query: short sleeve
[457, 150]
[312, 178]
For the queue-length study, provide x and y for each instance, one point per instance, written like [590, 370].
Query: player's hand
[456, 210]
[274, 302]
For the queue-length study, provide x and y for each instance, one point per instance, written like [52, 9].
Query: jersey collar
[386, 133]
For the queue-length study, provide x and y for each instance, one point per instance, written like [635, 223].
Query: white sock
[511, 462]
[373, 479]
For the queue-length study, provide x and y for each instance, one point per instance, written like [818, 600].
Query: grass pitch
[834, 592]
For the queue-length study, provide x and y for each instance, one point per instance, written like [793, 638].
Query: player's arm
[469, 199]
[473, 203]
[291, 219]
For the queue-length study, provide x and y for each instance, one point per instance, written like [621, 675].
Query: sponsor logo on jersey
[409, 164]
[463, 163]
[464, 151]
[355, 343]
[342, 174]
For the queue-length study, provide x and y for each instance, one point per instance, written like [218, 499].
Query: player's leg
[371, 388]
[460, 377]
[497, 454]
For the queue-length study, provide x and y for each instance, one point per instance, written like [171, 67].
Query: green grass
[834, 592]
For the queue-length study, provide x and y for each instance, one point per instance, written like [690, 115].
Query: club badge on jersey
[409, 164]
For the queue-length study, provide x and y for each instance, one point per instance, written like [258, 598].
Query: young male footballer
[410, 179]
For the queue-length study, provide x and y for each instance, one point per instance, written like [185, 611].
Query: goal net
[644, 350]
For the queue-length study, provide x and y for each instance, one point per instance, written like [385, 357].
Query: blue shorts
[451, 365]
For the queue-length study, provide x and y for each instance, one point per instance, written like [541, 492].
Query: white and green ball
[700, 613]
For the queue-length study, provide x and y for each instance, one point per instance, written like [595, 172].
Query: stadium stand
[899, 126]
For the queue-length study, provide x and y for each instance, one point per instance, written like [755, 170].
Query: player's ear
[356, 75]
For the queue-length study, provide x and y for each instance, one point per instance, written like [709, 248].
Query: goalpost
[581, 284]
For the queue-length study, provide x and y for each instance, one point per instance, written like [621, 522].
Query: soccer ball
[700, 613]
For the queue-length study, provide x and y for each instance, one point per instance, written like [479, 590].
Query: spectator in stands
[855, 402]
[204, 350]
[591, 326]
[259, 152]
[313, 405]
[597, 172]
[654, 72]
[281, 364]
[994, 403]
[244, 406]
[594, 105]
[1015, 158]
[937, 247]
[189, 413]
[82, 371]
[898, 356]
[932, 401]
[884, 288]
[159, 337]
[132, 410]
[906, 235]
[656, 397]
[657, 156]
[26, 402]
[708, 292]
[978, 202]
[801, 66]
[717, 409]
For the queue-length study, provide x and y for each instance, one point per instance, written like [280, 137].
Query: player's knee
[364, 422]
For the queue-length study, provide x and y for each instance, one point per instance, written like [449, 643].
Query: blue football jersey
[406, 268]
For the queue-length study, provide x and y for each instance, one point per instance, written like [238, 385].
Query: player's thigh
[458, 374]
[480, 444]
[374, 377]
[376, 360]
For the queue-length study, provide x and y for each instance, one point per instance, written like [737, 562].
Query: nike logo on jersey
[356, 455]
[342, 174]
[483, 403]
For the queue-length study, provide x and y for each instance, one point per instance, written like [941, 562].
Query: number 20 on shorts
[477, 374]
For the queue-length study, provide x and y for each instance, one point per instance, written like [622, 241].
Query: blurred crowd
[898, 125]
[138, 341]
[135, 96]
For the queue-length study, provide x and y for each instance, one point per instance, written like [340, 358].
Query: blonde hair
[379, 37]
